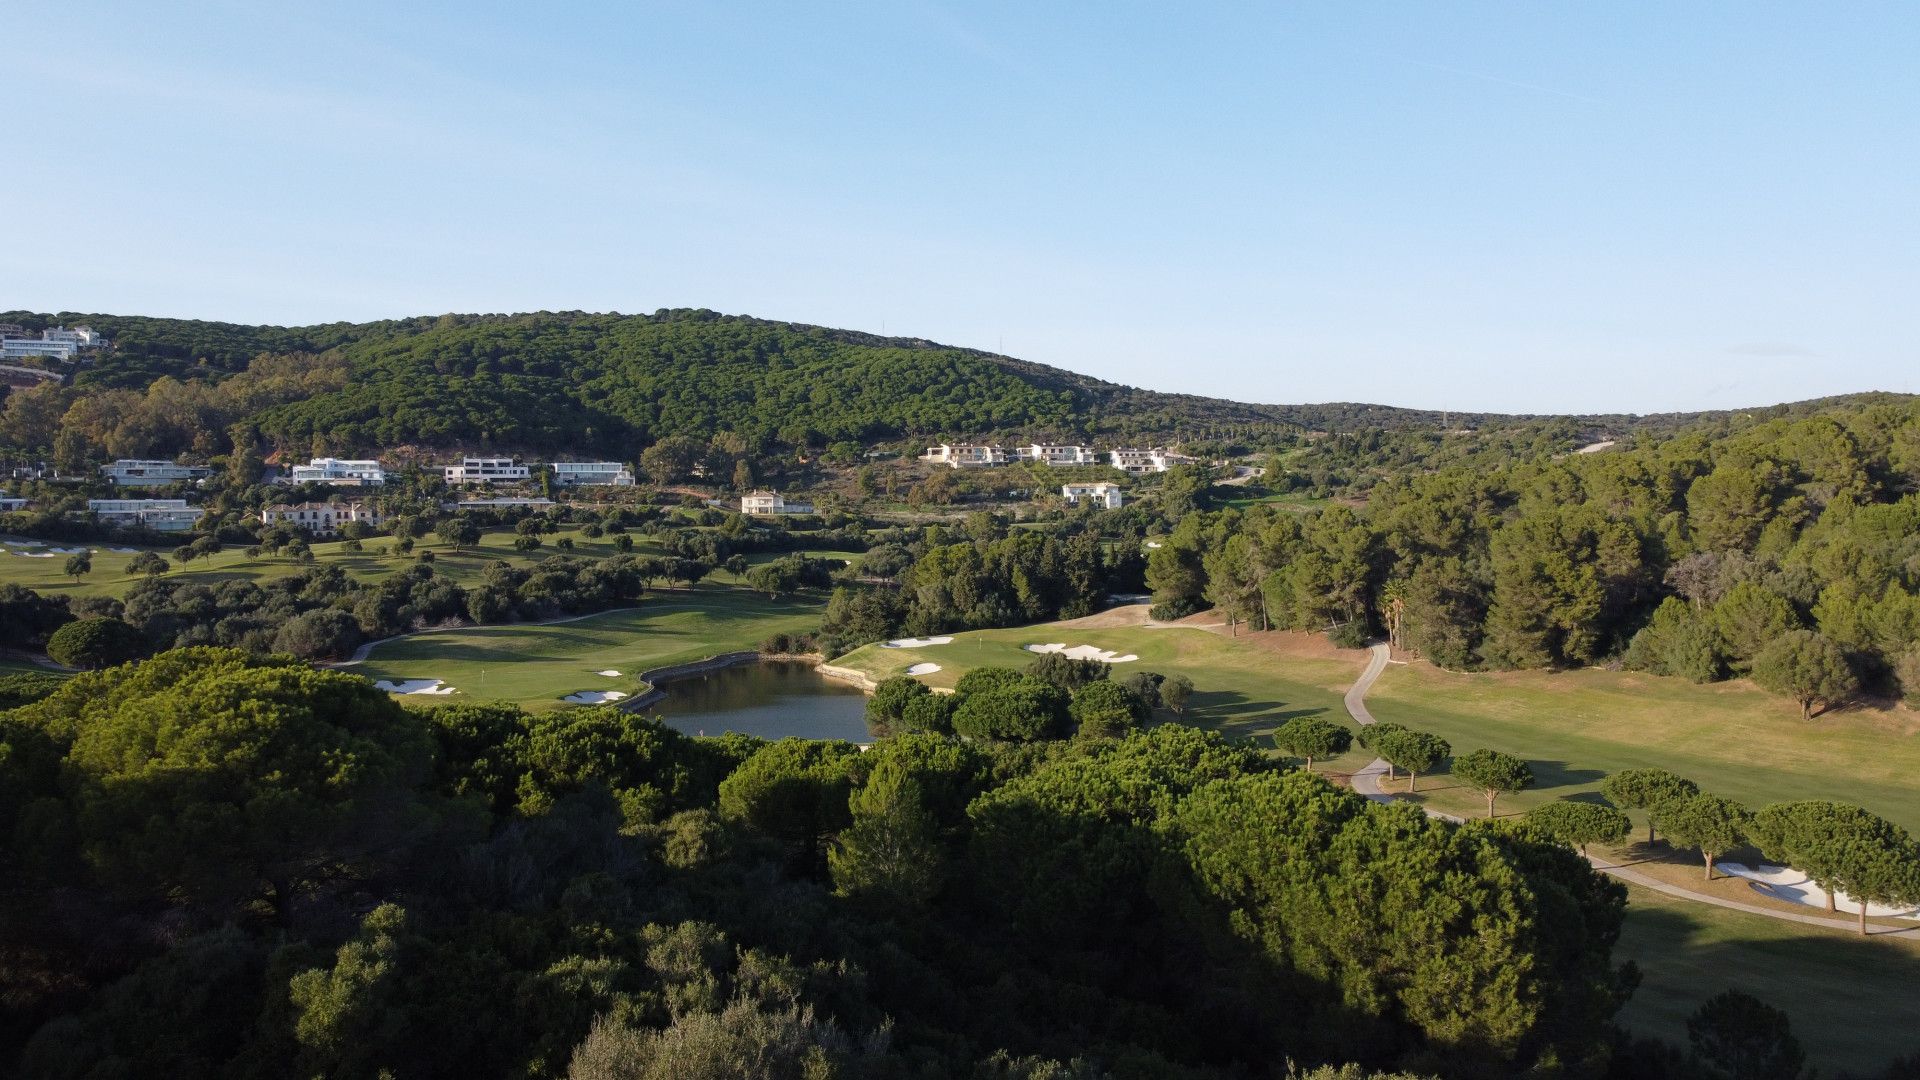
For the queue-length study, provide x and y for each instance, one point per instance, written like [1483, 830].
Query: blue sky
[1523, 207]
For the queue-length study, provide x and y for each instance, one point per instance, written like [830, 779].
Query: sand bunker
[1084, 652]
[1786, 883]
[34, 554]
[25, 543]
[923, 669]
[126, 551]
[594, 697]
[915, 642]
[414, 686]
[609, 673]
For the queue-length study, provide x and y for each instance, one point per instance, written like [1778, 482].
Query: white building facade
[475, 470]
[161, 515]
[592, 474]
[345, 472]
[1102, 494]
[771, 502]
[1156, 460]
[131, 472]
[965, 455]
[321, 519]
[1047, 454]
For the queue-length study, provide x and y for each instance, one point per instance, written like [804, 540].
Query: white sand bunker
[915, 642]
[26, 543]
[594, 697]
[923, 669]
[414, 686]
[126, 551]
[609, 673]
[1084, 652]
[34, 554]
[1786, 883]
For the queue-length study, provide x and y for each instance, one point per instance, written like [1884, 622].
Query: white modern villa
[319, 518]
[965, 455]
[59, 342]
[771, 502]
[486, 470]
[131, 472]
[1048, 454]
[161, 515]
[1102, 494]
[592, 474]
[1155, 460]
[345, 472]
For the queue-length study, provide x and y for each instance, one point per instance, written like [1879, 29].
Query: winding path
[1367, 782]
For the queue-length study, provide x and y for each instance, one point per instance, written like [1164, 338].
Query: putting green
[536, 666]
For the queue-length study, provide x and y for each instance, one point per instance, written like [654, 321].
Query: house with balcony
[343, 472]
[487, 470]
[1047, 454]
[1155, 460]
[130, 472]
[771, 502]
[591, 474]
[1103, 494]
[965, 455]
[321, 518]
[160, 515]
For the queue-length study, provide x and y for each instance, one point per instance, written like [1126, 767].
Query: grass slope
[1851, 1001]
[1732, 738]
[535, 666]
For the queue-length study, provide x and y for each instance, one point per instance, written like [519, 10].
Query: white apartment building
[15, 348]
[771, 502]
[132, 472]
[965, 455]
[346, 472]
[1102, 494]
[321, 519]
[161, 515]
[1156, 460]
[1056, 455]
[80, 337]
[476, 470]
[592, 474]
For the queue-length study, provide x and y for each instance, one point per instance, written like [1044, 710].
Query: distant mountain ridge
[586, 381]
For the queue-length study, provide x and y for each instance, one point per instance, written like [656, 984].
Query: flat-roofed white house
[161, 515]
[1156, 460]
[14, 348]
[345, 472]
[8, 504]
[320, 518]
[1047, 454]
[129, 472]
[1100, 494]
[592, 474]
[771, 502]
[80, 337]
[487, 470]
[965, 455]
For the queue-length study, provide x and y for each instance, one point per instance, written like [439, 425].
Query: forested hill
[577, 380]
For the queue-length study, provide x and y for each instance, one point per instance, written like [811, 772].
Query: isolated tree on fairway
[1494, 773]
[1414, 751]
[457, 532]
[1739, 1035]
[1646, 789]
[737, 566]
[1174, 692]
[1580, 823]
[96, 643]
[1807, 667]
[78, 566]
[1711, 823]
[148, 563]
[623, 543]
[1312, 737]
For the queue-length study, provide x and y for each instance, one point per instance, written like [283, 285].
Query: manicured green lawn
[110, 577]
[1241, 688]
[536, 666]
[1732, 738]
[1851, 1001]
[22, 667]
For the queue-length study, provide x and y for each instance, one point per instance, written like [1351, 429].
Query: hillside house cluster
[1126, 459]
[322, 519]
[60, 343]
